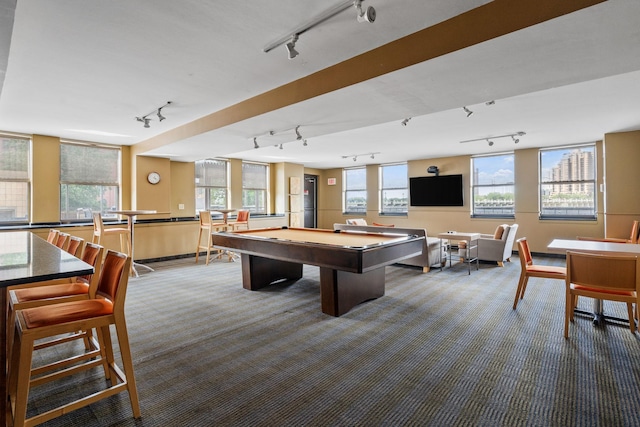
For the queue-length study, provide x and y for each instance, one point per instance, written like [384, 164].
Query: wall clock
[153, 178]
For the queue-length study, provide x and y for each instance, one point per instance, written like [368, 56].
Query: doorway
[310, 201]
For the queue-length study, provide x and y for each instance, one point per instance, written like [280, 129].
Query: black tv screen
[444, 190]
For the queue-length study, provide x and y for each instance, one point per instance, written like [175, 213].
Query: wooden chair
[75, 246]
[53, 236]
[633, 238]
[62, 241]
[38, 323]
[207, 226]
[100, 231]
[529, 269]
[241, 222]
[605, 277]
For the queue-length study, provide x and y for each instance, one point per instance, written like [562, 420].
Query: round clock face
[153, 177]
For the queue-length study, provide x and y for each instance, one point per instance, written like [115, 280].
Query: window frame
[114, 186]
[593, 215]
[208, 188]
[382, 188]
[476, 185]
[8, 181]
[346, 191]
[256, 190]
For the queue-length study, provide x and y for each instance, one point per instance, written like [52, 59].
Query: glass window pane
[394, 189]
[211, 173]
[14, 179]
[493, 185]
[394, 176]
[567, 182]
[255, 181]
[78, 201]
[356, 179]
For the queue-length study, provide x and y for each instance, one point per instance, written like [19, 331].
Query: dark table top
[26, 258]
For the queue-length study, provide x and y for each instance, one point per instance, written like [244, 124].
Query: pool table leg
[258, 272]
[340, 291]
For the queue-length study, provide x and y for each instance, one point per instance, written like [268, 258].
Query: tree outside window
[568, 183]
[493, 185]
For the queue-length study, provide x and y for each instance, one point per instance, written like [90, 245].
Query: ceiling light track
[355, 156]
[490, 139]
[366, 15]
[273, 132]
[158, 111]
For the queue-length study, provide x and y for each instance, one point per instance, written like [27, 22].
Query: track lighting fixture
[490, 142]
[146, 120]
[405, 121]
[255, 142]
[291, 47]
[281, 146]
[466, 110]
[355, 156]
[367, 15]
[299, 137]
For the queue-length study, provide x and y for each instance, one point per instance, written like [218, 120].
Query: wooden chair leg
[632, 322]
[127, 365]
[520, 289]
[198, 247]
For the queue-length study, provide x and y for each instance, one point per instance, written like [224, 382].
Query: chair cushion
[56, 314]
[53, 291]
[499, 232]
[607, 291]
[547, 269]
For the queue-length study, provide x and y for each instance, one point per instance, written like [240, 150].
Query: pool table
[351, 263]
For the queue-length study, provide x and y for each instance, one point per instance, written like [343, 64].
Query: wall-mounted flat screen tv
[441, 190]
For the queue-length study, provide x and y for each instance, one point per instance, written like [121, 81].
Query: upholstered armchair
[497, 247]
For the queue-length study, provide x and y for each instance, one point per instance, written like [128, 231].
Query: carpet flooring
[442, 348]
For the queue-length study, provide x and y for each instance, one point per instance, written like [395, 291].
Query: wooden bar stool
[207, 226]
[38, 323]
[100, 231]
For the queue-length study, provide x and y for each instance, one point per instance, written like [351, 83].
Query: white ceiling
[80, 68]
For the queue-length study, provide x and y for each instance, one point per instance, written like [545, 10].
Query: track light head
[160, 116]
[515, 140]
[255, 142]
[298, 136]
[466, 110]
[405, 121]
[291, 47]
[373, 156]
[355, 158]
[367, 15]
[280, 146]
[490, 142]
[304, 143]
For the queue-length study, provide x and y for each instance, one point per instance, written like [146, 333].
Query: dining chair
[55, 291]
[633, 238]
[100, 231]
[529, 269]
[53, 236]
[35, 324]
[604, 277]
[207, 226]
[75, 246]
[241, 222]
[63, 240]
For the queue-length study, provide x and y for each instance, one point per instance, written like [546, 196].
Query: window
[493, 186]
[568, 182]
[393, 189]
[212, 187]
[355, 190]
[255, 182]
[89, 181]
[14, 179]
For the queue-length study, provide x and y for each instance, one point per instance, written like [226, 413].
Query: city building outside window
[493, 185]
[212, 184]
[355, 190]
[568, 183]
[393, 189]
[255, 183]
[89, 181]
[14, 179]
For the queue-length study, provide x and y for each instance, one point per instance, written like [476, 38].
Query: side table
[472, 245]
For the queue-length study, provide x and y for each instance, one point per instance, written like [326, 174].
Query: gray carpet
[442, 348]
